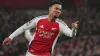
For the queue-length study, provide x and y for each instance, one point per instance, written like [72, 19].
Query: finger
[77, 22]
[5, 42]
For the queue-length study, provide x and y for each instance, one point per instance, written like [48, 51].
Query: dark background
[14, 13]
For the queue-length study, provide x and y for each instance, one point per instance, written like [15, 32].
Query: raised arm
[67, 31]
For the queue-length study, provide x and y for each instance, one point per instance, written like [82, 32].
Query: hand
[6, 41]
[75, 25]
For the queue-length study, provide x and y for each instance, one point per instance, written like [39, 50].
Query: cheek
[60, 12]
[51, 11]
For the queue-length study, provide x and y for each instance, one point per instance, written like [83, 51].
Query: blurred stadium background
[14, 13]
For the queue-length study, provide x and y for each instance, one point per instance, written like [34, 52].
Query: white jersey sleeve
[29, 25]
[28, 35]
[64, 29]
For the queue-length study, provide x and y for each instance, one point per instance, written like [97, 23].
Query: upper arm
[33, 22]
[65, 29]
[29, 25]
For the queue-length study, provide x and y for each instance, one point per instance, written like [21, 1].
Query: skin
[54, 11]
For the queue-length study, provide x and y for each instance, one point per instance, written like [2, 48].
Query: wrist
[10, 38]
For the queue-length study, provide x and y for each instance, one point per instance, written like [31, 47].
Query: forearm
[70, 32]
[19, 31]
[74, 32]
[67, 31]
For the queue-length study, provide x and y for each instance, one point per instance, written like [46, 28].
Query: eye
[58, 9]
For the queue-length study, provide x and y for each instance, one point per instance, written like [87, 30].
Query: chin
[56, 16]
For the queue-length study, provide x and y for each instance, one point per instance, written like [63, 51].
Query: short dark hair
[54, 2]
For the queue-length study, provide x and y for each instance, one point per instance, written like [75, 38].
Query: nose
[58, 11]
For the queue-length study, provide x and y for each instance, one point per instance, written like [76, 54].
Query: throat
[51, 19]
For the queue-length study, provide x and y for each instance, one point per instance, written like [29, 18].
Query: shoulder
[36, 19]
[61, 22]
[41, 17]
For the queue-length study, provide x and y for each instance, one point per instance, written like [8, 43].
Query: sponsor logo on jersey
[53, 28]
[45, 34]
[41, 26]
[32, 50]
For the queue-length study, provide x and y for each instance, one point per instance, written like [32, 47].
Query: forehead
[57, 5]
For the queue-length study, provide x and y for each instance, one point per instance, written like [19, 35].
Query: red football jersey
[46, 34]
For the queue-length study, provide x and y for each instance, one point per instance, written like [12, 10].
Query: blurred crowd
[85, 46]
[89, 24]
[10, 20]
[89, 19]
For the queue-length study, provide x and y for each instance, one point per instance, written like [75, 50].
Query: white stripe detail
[31, 40]
[29, 54]
[56, 38]
[55, 42]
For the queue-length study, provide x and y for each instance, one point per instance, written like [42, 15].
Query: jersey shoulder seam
[60, 21]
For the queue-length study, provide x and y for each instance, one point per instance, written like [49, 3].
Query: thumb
[6, 41]
[76, 22]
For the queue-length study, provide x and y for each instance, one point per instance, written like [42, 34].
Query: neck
[51, 18]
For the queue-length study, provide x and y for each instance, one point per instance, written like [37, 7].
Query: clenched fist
[75, 25]
[6, 41]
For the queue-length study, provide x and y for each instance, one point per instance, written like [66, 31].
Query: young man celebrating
[48, 29]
